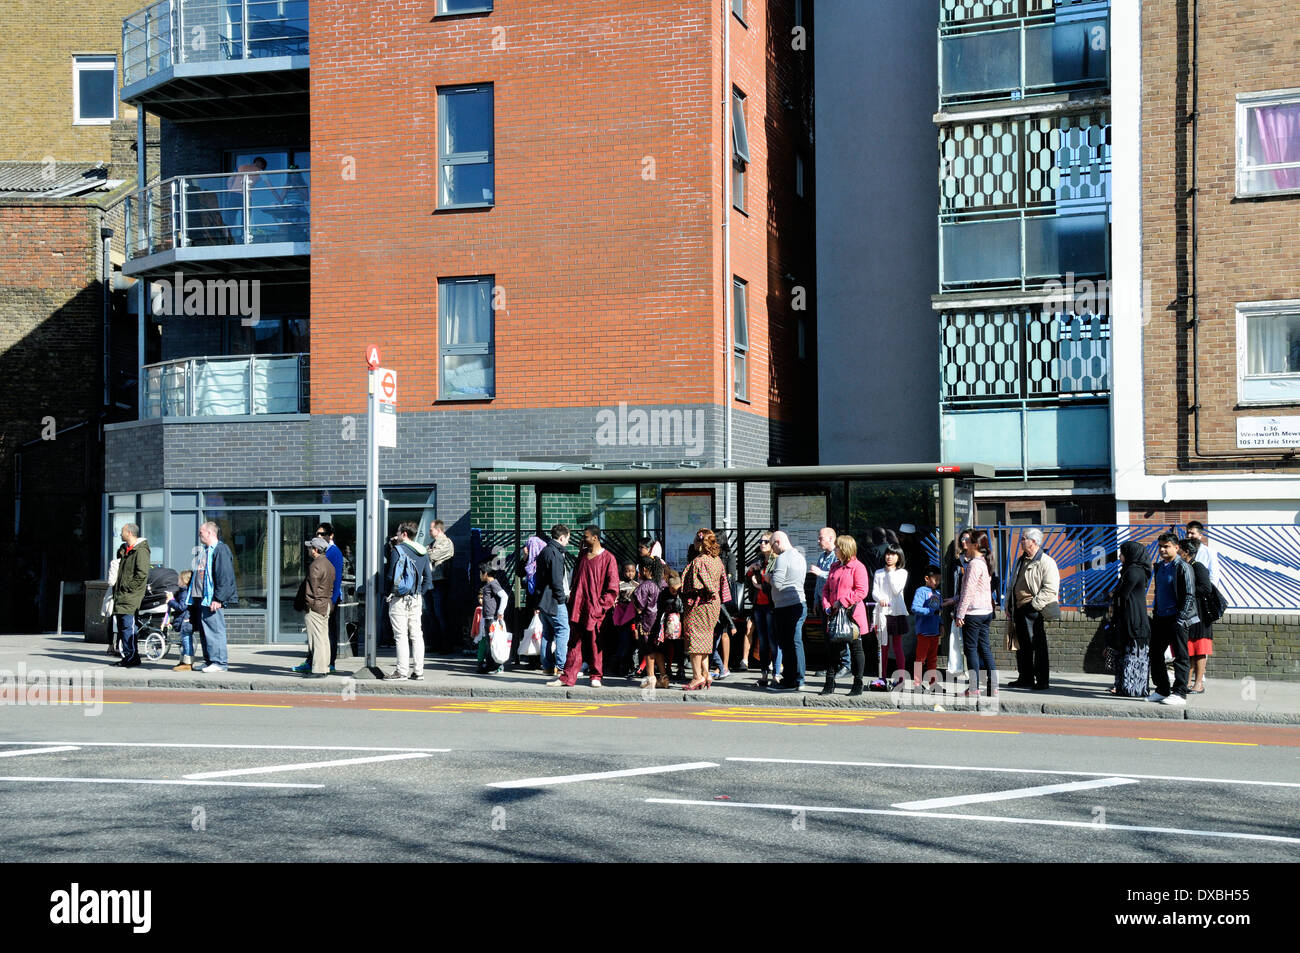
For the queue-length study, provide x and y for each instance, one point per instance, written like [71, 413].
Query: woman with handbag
[1129, 634]
[842, 596]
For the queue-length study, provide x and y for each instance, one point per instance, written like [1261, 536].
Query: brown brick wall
[597, 263]
[37, 42]
[1153, 513]
[1246, 250]
[50, 343]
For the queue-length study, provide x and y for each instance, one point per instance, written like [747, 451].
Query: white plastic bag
[500, 640]
[956, 659]
[531, 642]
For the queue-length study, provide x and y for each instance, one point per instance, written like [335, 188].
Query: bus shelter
[954, 481]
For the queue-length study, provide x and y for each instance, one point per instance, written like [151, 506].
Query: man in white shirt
[1205, 554]
[789, 609]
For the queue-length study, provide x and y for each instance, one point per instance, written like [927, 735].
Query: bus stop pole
[947, 524]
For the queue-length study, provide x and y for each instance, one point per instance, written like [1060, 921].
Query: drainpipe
[142, 286]
[727, 363]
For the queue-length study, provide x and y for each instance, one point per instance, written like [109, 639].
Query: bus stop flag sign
[386, 418]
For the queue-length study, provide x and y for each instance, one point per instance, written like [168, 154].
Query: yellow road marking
[1195, 741]
[976, 731]
[238, 705]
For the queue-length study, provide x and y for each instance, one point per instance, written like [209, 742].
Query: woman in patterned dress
[1130, 628]
[702, 584]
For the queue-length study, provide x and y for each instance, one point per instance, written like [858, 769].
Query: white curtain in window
[466, 313]
[1268, 343]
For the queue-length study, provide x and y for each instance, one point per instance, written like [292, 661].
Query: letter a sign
[372, 357]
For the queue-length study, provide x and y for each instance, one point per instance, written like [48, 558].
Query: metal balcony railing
[237, 208]
[170, 32]
[227, 386]
[1004, 49]
[1019, 249]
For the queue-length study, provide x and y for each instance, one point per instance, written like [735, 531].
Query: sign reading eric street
[1267, 432]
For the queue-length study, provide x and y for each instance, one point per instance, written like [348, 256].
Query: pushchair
[158, 626]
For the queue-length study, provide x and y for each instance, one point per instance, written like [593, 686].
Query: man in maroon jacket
[595, 590]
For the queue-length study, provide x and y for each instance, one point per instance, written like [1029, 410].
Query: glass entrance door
[291, 569]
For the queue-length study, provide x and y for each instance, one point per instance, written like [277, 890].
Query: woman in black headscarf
[1130, 629]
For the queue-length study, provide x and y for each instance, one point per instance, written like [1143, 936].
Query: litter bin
[96, 626]
[349, 626]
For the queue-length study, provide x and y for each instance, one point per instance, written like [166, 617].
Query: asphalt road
[458, 780]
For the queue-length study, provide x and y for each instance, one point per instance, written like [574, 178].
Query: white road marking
[600, 775]
[15, 754]
[1072, 774]
[217, 784]
[981, 817]
[275, 768]
[1011, 795]
[179, 744]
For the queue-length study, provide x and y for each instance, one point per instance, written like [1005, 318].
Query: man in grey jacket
[788, 609]
[1032, 597]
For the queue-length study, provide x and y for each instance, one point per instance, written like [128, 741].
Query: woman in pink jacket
[846, 587]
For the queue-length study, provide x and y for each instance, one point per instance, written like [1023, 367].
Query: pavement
[266, 668]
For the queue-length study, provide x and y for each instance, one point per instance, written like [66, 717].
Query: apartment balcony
[1027, 390]
[243, 386]
[213, 59]
[1022, 49]
[231, 224]
[1024, 201]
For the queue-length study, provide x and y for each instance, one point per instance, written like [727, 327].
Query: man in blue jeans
[789, 609]
[552, 603]
[212, 586]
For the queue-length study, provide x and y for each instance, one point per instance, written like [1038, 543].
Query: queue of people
[648, 619]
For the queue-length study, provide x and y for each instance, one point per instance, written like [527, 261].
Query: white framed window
[740, 338]
[1268, 352]
[1268, 142]
[739, 149]
[467, 366]
[467, 176]
[94, 90]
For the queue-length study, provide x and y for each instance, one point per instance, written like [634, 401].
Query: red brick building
[525, 206]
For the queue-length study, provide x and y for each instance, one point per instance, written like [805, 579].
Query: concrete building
[556, 222]
[994, 362]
